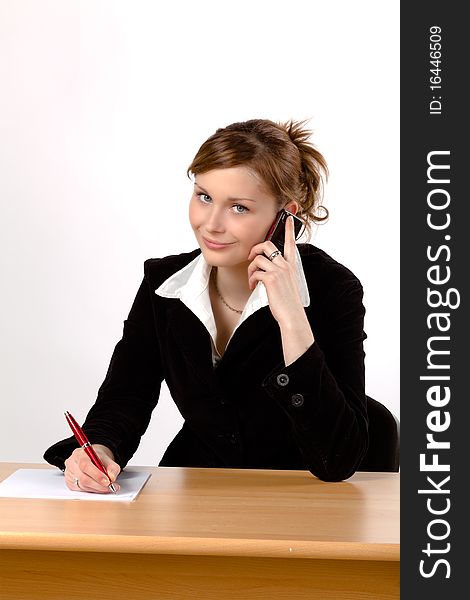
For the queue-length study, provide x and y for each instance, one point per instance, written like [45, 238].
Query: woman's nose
[215, 220]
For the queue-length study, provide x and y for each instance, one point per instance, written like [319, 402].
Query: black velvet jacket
[250, 411]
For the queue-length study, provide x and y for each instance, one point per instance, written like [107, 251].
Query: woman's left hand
[279, 276]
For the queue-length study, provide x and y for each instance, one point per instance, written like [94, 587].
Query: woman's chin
[216, 260]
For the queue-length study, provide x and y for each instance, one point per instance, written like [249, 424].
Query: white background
[103, 105]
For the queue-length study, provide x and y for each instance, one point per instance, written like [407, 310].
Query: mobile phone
[276, 232]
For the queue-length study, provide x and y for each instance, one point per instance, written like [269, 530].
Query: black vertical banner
[435, 259]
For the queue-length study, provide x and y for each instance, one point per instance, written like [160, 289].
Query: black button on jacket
[239, 414]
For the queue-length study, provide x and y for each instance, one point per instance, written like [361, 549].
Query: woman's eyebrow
[232, 199]
[229, 199]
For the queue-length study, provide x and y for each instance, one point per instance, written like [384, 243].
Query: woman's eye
[240, 206]
[204, 197]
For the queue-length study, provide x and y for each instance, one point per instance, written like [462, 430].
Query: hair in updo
[281, 154]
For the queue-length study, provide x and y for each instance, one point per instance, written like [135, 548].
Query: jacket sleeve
[323, 393]
[129, 392]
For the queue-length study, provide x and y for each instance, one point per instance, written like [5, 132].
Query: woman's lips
[215, 245]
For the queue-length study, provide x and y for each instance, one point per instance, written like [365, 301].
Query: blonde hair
[279, 153]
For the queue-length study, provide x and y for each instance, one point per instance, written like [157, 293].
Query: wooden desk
[208, 534]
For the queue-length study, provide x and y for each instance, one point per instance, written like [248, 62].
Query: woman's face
[231, 209]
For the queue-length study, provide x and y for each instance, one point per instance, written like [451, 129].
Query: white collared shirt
[191, 285]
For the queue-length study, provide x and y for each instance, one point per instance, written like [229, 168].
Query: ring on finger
[274, 254]
[76, 482]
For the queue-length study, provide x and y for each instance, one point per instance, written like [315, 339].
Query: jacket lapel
[192, 339]
[252, 335]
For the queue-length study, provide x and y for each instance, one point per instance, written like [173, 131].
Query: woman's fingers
[82, 474]
[260, 261]
[84, 483]
[278, 275]
[259, 257]
[266, 248]
[107, 458]
[289, 241]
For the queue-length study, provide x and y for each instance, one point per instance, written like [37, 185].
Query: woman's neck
[232, 283]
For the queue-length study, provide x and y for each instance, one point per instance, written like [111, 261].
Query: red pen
[85, 444]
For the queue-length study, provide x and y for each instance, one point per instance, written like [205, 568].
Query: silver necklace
[220, 296]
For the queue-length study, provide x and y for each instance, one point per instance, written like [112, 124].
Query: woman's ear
[292, 207]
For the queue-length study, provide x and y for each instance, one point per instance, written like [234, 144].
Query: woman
[262, 352]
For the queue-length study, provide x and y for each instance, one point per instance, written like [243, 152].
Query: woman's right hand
[81, 474]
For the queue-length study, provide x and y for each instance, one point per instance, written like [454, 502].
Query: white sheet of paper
[50, 484]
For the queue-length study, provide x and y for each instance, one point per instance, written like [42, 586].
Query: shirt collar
[191, 285]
